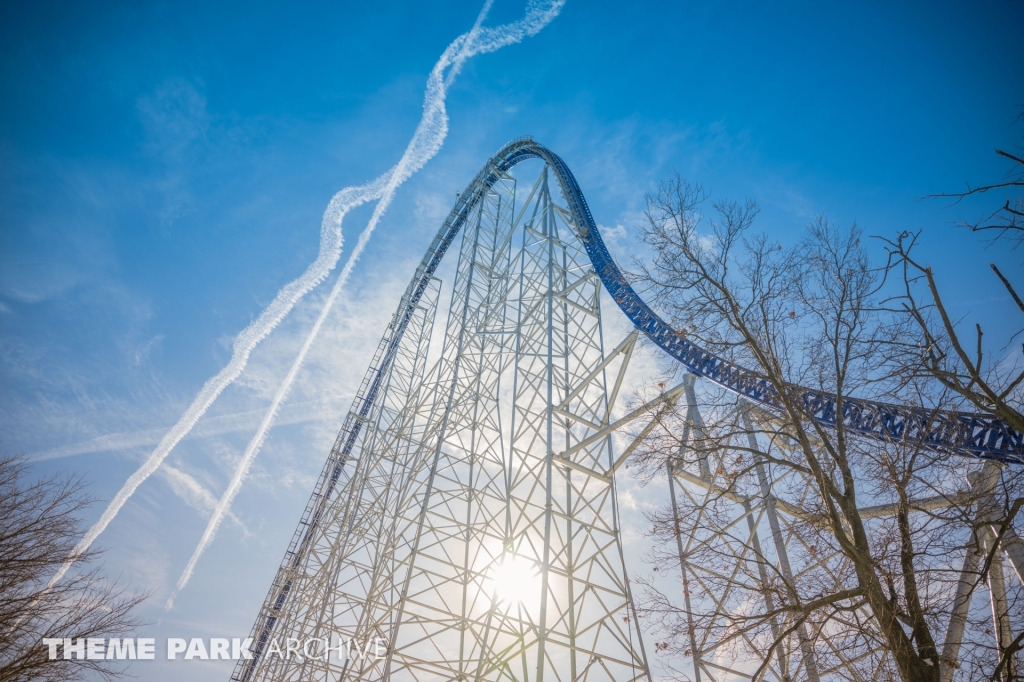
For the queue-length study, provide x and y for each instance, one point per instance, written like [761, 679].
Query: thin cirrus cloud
[425, 143]
[195, 495]
[245, 342]
[294, 413]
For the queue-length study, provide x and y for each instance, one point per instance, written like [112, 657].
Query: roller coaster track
[955, 433]
[962, 433]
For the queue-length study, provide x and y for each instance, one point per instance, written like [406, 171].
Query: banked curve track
[963, 433]
[959, 433]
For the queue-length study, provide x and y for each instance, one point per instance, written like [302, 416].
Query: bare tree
[808, 551]
[39, 528]
[938, 347]
[1006, 222]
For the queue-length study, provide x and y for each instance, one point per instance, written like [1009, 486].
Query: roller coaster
[962, 433]
[954, 433]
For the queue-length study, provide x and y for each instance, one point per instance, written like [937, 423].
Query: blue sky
[164, 168]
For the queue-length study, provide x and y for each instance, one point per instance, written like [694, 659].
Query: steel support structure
[734, 538]
[494, 464]
[474, 463]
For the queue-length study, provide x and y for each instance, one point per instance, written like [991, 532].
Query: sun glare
[515, 580]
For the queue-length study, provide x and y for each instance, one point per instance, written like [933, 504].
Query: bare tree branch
[39, 528]
[806, 551]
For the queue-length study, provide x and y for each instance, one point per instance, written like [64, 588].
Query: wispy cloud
[426, 142]
[295, 413]
[614, 237]
[195, 495]
[245, 342]
[176, 121]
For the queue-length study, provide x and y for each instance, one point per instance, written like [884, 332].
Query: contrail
[195, 495]
[425, 143]
[293, 413]
[330, 251]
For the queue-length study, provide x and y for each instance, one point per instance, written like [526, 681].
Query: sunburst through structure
[466, 516]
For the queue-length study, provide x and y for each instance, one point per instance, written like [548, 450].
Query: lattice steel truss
[498, 455]
[738, 526]
[468, 464]
[750, 536]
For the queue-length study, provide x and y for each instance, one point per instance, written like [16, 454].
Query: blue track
[961, 433]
